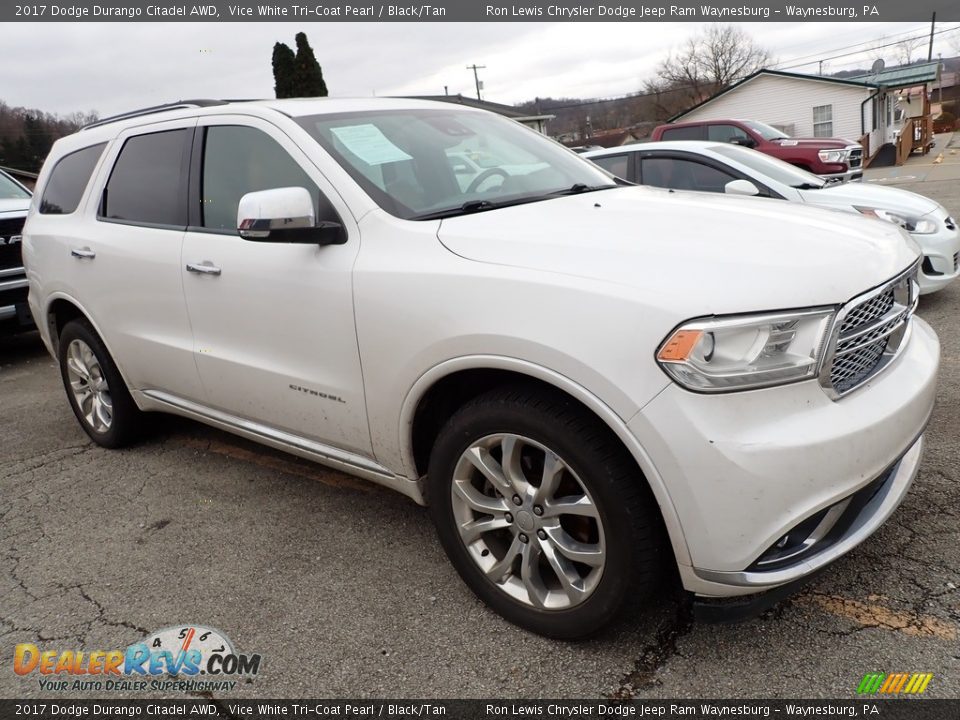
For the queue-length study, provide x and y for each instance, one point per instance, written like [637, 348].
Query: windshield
[9, 190]
[765, 131]
[418, 163]
[770, 167]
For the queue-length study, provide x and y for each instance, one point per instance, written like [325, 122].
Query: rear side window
[68, 180]
[148, 182]
[615, 164]
[693, 132]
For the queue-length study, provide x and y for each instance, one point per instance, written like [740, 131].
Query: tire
[577, 565]
[95, 388]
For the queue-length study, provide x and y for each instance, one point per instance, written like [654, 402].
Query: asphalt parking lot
[344, 591]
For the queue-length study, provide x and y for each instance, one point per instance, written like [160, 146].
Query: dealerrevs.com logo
[188, 658]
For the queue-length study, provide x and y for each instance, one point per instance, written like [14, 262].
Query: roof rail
[155, 109]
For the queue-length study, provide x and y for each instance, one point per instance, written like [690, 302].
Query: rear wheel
[543, 513]
[95, 388]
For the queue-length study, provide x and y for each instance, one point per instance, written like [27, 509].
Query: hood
[715, 253]
[14, 206]
[844, 195]
[820, 143]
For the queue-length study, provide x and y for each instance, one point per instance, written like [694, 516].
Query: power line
[678, 88]
[874, 47]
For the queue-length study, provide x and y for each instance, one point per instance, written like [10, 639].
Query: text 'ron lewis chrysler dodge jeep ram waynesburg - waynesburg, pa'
[584, 380]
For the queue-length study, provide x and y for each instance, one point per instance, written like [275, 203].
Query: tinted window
[147, 184]
[68, 181]
[683, 175]
[238, 160]
[615, 164]
[694, 132]
[724, 133]
[10, 190]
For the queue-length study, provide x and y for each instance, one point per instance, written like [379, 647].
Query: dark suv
[14, 203]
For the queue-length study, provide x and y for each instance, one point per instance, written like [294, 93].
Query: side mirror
[741, 187]
[744, 142]
[285, 215]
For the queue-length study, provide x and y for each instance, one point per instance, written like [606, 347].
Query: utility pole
[476, 79]
[933, 23]
[820, 71]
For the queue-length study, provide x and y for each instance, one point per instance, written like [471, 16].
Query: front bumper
[13, 298]
[846, 176]
[941, 259]
[744, 469]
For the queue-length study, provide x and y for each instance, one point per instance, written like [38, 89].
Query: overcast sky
[112, 67]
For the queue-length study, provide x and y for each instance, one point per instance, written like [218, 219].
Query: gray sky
[112, 67]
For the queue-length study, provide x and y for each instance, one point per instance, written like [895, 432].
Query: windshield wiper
[807, 186]
[578, 188]
[468, 207]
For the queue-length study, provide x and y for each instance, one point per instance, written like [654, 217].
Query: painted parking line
[879, 616]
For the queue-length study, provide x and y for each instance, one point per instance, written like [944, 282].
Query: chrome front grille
[11, 230]
[856, 157]
[868, 333]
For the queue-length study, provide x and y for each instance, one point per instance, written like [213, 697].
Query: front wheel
[542, 512]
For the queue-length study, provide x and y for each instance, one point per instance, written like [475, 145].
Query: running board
[332, 457]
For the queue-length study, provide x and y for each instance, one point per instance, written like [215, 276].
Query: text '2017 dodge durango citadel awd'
[581, 379]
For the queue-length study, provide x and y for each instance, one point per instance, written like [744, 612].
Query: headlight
[918, 226]
[746, 351]
[832, 156]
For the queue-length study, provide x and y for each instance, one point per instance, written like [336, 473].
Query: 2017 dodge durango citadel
[584, 381]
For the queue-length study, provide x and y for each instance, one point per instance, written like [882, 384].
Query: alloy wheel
[528, 522]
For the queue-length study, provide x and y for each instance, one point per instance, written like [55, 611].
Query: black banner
[867, 707]
[480, 10]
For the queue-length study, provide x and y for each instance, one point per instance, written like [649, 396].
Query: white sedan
[725, 168]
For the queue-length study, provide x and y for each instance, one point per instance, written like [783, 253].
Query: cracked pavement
[343, 589]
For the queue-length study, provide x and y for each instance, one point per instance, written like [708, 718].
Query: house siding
[789, 102]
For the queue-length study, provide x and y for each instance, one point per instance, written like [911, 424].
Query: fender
[561, 382]
[52, 343]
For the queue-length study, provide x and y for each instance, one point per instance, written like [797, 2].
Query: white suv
[585, 382]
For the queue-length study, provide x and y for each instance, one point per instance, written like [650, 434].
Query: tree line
[26, 135]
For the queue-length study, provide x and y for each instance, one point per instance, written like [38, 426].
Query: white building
[863, 108]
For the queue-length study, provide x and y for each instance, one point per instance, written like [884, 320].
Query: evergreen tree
[308, 75]
[284, 70]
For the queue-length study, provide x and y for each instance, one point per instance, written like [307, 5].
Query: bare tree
[707, 63]
[955, 44]
[907, 48]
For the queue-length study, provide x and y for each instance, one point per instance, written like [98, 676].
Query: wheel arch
[438, 393]
[62, 309]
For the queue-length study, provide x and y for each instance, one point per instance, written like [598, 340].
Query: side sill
[332, 457]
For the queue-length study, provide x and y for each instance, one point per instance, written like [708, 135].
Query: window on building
[823, 121]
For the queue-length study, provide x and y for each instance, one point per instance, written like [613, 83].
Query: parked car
[584, 381]
[14, 202]
[830, 158]
[723, 168]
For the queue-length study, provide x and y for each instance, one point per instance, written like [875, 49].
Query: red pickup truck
[832, 158]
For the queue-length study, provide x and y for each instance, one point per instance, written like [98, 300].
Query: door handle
[83, 253]
[204, 268]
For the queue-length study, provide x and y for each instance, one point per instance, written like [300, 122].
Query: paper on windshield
[369, 144]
